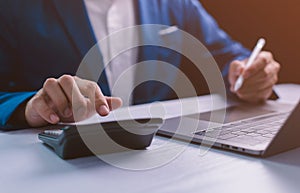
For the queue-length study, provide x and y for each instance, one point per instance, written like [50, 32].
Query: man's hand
[259, 79]
[67, 99]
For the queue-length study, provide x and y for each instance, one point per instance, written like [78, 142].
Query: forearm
[219, 44]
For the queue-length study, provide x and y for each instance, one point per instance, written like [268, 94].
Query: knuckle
[266, 73]
[66, 80]
[264, 58]
[269, 55]
[100, 100]
[66, 77]
[91, 87]
[76, 78]
[50, 82]
[235, 64]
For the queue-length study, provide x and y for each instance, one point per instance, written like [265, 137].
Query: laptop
[259, 130]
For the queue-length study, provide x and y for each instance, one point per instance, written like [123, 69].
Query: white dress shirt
[107, 17]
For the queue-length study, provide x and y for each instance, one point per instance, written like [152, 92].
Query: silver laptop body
[261, 130]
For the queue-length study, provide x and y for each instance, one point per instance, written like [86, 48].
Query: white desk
[28, 166]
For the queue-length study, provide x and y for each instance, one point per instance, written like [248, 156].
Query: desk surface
[28, 166]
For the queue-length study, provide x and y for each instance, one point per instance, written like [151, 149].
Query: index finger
[91, 90]
[76, 99]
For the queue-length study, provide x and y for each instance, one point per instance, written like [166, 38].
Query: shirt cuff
[9, 102]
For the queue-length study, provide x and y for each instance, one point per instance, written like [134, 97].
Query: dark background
[276, 20]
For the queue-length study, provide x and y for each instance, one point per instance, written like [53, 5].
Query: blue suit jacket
[48, 38]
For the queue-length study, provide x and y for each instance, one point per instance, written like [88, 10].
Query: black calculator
[73, 141]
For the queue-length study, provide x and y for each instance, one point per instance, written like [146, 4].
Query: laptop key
[262, 132]
[227, 136]
[259, 127]
[248, 130]
[269, 136]
[253, 134]
[239, 133]
[225, 132]
[234, 129]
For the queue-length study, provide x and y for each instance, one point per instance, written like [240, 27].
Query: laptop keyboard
[250, 132]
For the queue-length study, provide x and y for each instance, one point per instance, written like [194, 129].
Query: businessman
[43, 42]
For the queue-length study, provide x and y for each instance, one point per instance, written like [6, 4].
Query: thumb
[235, 70]
[114, 102]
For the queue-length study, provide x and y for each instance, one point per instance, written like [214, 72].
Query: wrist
[18, 119]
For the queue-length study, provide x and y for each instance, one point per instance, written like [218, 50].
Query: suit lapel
[75, 20]
[156, 12]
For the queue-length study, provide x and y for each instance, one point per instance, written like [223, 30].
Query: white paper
[164, 110]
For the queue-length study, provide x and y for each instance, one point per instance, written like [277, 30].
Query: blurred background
[276, 20]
